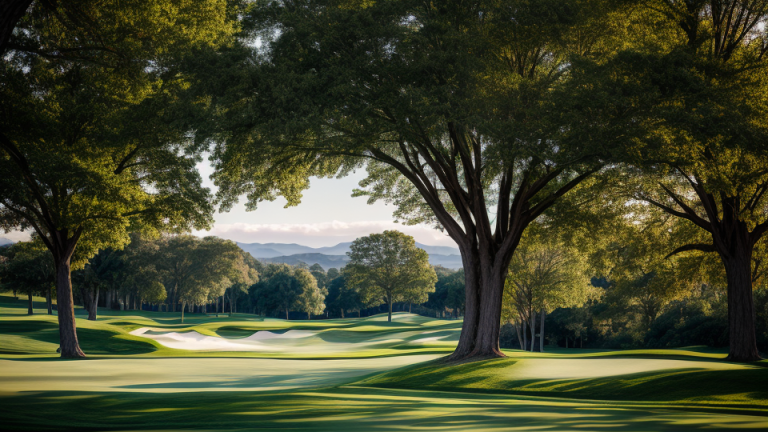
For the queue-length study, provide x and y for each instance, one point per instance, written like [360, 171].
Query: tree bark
[70, 348]
[519, 337]
[342, 312]
[309, 316]
[286, 314]
[48, 300]
[182, 311]
[541, 330]
[389, 303]
[741, 311]
[29, 308]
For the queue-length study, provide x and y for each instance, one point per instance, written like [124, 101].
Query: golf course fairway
[349, 375]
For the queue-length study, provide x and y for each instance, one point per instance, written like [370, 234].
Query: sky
[327, 215]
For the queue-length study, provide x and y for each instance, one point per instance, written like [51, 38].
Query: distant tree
[455, 295]
[319, 274]
[193, 266]
[277, 289]
[312, 298]
[388, 268]
[341, 297]
[27, 268]
[544, 274]
[332, 274]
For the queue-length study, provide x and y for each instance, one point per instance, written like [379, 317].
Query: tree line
[480, 117]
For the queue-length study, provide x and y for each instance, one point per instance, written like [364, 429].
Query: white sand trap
[195, 341]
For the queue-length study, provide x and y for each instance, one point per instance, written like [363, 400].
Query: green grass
[131, 382]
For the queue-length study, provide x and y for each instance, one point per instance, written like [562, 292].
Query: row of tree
[480, 117]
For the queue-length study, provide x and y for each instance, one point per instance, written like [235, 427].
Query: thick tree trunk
[484, 282]
[389, 303]
[741, 311]
[342, 312]
[541, 330]
[70, 348]
[309, 316]
[48, 300]
[286, 314]
[30, 310]
[472, 293]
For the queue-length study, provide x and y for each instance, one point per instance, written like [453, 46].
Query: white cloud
[322, 233]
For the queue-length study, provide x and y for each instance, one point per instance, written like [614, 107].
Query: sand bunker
[295, 341]
[194, 341]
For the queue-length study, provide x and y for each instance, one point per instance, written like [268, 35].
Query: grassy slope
[36, 336]
[129, 388]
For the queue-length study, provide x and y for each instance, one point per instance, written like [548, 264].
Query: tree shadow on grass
[351, 409]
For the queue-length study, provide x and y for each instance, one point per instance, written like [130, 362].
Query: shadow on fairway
[342, 409]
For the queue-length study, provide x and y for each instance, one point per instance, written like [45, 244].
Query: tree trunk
[533, 330]
[70, 348]
[29, 308]
[566, 342]
[741, 311]
[389, 303]
[484, 282]
[48, 300]
[342, 312]
[541, 330]
[525, 335]
[182, 311]
[309, 316]
[286, 314]
[519, 337]
[217, 307]
[94, 306]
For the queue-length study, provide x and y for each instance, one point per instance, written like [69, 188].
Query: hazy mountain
[4, 241]
[273, 250]
[325, 261]
[447, 261]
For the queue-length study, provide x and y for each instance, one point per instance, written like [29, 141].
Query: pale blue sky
[327, 215]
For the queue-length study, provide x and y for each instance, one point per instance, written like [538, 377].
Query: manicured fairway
[354, 374]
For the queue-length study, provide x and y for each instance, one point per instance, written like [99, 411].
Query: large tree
[449, 103]
[95, 139]
[698, 89]
[388, 268]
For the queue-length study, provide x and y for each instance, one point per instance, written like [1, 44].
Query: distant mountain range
[336, 256]
[4, 241]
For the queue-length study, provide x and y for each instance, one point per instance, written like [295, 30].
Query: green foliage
[283, 288]
[389, 268]
[341, 297]
[95, 139]
[26, 267]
